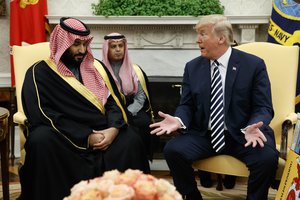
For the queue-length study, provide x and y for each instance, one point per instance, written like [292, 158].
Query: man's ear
[222, 39]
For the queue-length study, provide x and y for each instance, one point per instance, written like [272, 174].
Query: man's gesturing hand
[166, 126]
[253, 135]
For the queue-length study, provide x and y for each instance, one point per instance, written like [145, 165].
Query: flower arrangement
[130, 185]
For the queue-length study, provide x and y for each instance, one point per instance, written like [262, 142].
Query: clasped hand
[253, 135]
[101, 139]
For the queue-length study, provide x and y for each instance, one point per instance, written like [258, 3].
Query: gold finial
[24, 3]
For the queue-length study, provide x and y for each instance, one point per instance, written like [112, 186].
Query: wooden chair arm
[20, 118]
[289, 121]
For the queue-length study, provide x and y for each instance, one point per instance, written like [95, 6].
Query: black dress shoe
[229, 181]
[205, 179]
[275, 184]
[19, 197]
[194, 195]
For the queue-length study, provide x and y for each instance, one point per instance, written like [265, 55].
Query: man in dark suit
[243, 116]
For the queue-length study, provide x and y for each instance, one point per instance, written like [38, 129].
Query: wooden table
[8, 100]
[4, 148]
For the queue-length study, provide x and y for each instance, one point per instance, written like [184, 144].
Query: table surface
[4, 150]
[3, 113]
[8, 100]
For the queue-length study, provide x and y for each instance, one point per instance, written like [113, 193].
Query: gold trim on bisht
[104, 75]
[142, 80]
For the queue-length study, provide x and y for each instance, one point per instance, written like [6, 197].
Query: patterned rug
[14, 191]
[238, 193]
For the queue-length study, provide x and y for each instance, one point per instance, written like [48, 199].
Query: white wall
[83, 8]
[4, 48]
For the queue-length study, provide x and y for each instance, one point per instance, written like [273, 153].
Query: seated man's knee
[268, 159]
[171, 150]
[271, 157]
[40, 136]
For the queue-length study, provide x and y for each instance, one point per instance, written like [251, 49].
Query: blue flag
[284, 28]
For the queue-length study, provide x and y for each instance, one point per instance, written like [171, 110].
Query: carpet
[238, 193]
[14, 191]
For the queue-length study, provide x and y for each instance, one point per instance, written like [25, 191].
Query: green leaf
[157, 7]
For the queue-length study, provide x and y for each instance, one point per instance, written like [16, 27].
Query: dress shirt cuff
[243, 130]
[182, 124]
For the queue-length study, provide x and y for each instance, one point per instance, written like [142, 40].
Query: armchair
[282, 66]
[23, 58]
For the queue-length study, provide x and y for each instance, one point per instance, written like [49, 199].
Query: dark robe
[145, 116]
[60, 121]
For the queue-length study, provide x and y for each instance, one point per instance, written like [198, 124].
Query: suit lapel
[206, 78]
[232, 70]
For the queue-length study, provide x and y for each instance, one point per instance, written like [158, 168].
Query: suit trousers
[182, 150]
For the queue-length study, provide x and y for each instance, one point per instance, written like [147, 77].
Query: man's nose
[199, 38]
[82, 49]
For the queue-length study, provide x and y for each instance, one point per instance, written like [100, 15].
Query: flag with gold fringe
[284, 29]
[27, 24]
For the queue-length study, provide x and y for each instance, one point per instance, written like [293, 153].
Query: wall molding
[162, 45]
[246, 28]
[5, 80]
[155, 20]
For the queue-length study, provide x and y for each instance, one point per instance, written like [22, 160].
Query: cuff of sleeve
[88, 141]
[243, 130]
[182, 124]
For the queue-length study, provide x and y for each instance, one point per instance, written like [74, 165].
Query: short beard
[68, 59]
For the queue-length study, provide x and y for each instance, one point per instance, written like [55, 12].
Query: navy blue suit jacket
[247, 95]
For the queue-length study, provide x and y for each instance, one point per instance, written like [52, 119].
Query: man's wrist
[182, 126]
[243, 130]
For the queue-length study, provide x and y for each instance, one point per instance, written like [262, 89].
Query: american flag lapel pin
[234, 68]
